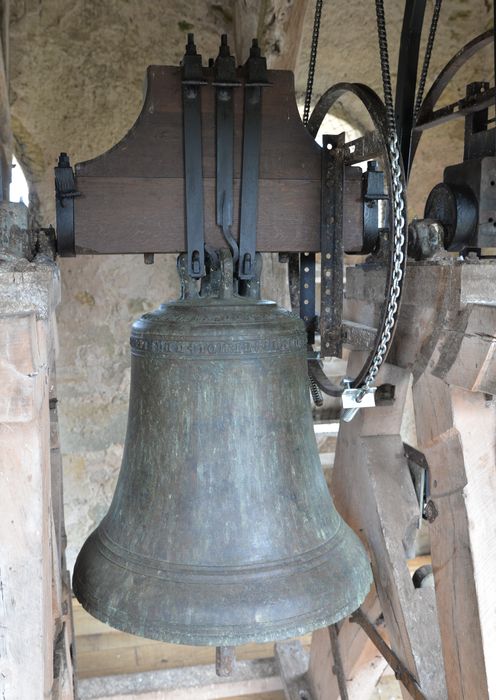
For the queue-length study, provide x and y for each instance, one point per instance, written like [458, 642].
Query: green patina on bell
[221, 530]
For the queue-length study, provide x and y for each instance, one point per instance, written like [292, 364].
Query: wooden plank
[382, 508]
[26, 628]
[290, 17]
[247, 21]
[126, 658]
[446, 336]
[102, 651]
[292, 663]
[469, 352]
[425, 308]
[132, 197]
[190, 683]
[169, 655]
[153, 148]
[478, 282]
[447, 318]
[136, 215]
[457, 433]
[276, 695]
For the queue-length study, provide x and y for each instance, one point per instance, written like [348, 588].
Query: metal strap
[400, 671]
[252, 128]
[225, 162]
[307, 260]
[249, 180]
[331, 246]
[307, 293]
[224, 82]
[65, 192]
[193, 160]
[338, 668]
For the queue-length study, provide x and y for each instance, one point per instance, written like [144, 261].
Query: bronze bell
[221, 530]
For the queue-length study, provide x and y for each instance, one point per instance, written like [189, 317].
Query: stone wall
[76, 86]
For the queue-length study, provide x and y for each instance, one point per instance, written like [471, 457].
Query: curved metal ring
[377, 111]
[442, 80]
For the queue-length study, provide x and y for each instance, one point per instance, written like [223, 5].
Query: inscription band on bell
[218, 347]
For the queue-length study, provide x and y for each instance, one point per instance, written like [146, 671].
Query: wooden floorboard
[103, 651]
[276, 695]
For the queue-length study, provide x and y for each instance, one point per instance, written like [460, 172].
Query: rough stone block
[21, 375]
[15, 238]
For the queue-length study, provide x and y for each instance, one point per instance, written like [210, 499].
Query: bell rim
[354, 567]
[229, 635]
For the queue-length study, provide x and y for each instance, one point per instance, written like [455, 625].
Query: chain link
[398, 211]
[313, 61]
[398, 206]
[427, 58]
[314, 389]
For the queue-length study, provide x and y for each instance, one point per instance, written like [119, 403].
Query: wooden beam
[189, 683]
[292, 663]
[288, 29]
[103, 651]
[373, 491]
[457, 433]
[446, 337]
[35, 618]
[26, 631]
[246, 21]
[278, 26]
[132, 197]
[447, 319]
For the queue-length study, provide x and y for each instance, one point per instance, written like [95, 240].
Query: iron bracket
[373, 193]
[192, 79]
[256, 79]
[355, 399]
[224, 82]
[65, 192]
[307, 294]
[338, 668]
[331, 245]
[419, 471]
[400, 671]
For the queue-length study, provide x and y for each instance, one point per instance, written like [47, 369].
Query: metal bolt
[430, 511]
[225, 661]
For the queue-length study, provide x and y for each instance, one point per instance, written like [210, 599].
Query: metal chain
[385, 70]
[315, 391]
[398, 208]
[427, 58]
[313, 61]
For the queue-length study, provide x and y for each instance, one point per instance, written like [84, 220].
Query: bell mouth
[221, 607]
